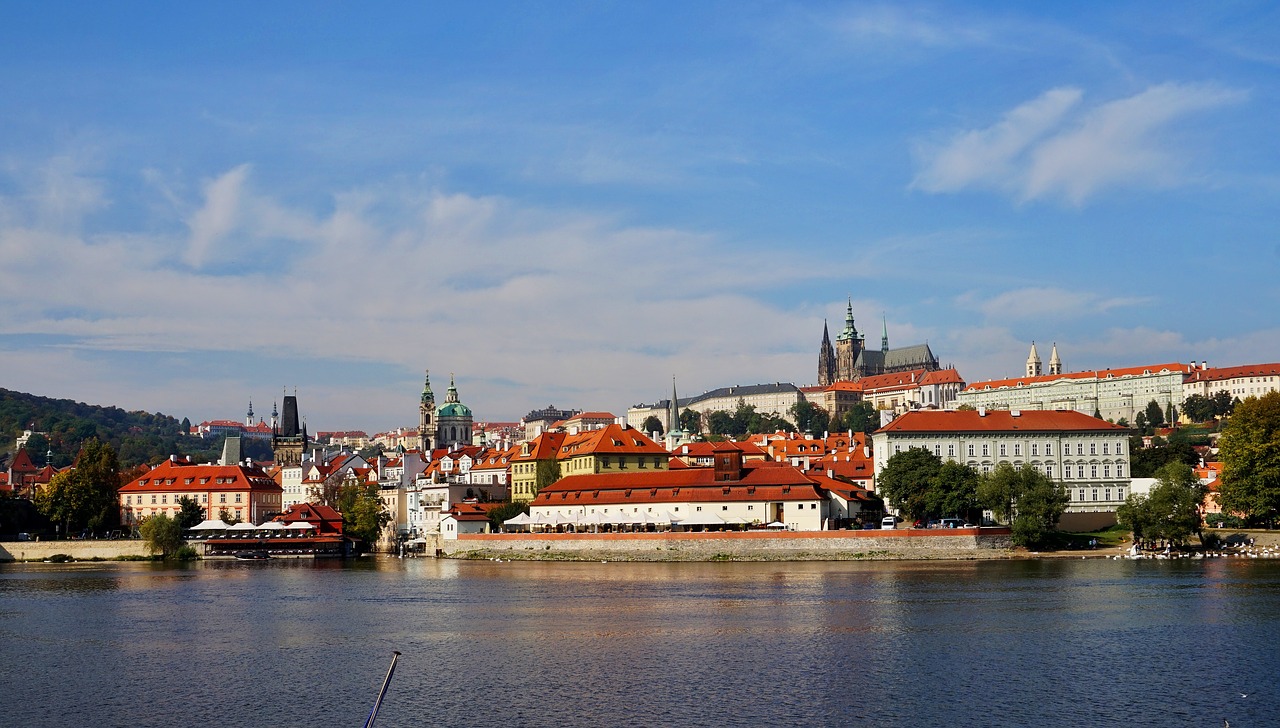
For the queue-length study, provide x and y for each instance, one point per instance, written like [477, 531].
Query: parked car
[889, 522]
[954, 523]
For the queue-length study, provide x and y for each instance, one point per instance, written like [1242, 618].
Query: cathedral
[850, 359]
[444, 427]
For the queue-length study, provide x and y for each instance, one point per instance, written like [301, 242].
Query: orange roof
[762, 482]
[1218, 374]
[609, 440]
[543, 447]
[999, 421]
[1102, 374]
[171, 476]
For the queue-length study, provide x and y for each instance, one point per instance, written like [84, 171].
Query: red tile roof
[761, 482]
[998, 421]
[609, 440]
[1218, 374]
[171, 476]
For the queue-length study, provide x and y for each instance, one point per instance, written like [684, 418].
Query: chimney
[982, 411]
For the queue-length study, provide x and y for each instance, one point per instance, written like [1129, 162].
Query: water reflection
[487, 643]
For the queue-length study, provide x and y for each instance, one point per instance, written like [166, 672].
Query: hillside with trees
[136, 437]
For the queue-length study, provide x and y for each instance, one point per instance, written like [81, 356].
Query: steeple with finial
[248, 418]
[1033, 362]
[884, 334]
[1055, 364]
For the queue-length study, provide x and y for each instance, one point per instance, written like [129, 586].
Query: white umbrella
[242, 526]
[209, 525]
[272, 526]
[776, 524]
[521, 520]
[299, 524]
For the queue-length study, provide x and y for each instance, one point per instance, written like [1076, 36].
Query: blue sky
[569, 203]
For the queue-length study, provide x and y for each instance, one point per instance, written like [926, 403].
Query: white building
[1088, 456]
[1115, 394]
[1250, 380]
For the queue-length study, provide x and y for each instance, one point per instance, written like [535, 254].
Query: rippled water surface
[1028, 643]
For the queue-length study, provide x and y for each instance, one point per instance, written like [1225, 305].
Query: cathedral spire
[884, 334]
[674, 416]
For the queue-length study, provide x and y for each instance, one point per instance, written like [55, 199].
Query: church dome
[455, 409]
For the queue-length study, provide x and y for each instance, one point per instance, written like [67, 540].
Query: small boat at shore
[252, 555]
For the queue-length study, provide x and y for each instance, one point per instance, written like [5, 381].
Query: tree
[861, 417]
[651, 425]
[810, 418]
[691, 420]
[1145, 461]
[719, 423]
[225, 516]
[363, 513]
[905, 481]
[500, 515]
[1155, 415]
[1026, 498]
[161, 534]
[1250, 452]
[546, 473]
[190, 514]
[953, 491]
[1171, 511]
[1198, 408]
[86, 497]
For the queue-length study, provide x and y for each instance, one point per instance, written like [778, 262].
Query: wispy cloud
[1055, 146]
[1041, 302]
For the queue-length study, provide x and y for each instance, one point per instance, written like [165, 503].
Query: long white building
[1089, 456]
[1115, 394]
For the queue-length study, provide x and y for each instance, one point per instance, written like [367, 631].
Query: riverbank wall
[914, 544]
[79, 550]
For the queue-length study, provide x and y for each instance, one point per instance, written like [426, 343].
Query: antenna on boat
[373, 714]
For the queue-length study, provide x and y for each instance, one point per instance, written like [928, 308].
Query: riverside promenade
[909, 544]
[108, 549]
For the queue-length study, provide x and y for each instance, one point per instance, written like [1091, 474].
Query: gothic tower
[826, 359]
[848, 346]
[884, 335]
[1033, 362]
[289, 439]
[426, 418]
[1055, 364]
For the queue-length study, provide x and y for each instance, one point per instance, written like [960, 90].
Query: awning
[521, 520]
[209, 525]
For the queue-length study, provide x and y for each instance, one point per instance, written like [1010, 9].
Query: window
[1093, 471]
[1002, 450]
[1048, 469]
[971, 450]
[1106, 472]
[222, 497]
[237, 497]
[164, 498]
[1093, 448]
[724, 508]
[937, 449]
[897, 449]
[1119, 449]
[1119, 470]
[986, 449]
[1106, 448]
[1079, 448]
[698, 508]
[1081, 494]
[1094, 494]
[951, 451]
[1066, 472]
[1119, 493]
[1017, 449]
[1048, 448]
[153, 499]
[1035, 449]
[751, 508]
[1107, 493]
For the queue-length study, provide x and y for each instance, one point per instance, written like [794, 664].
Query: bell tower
[427, 417]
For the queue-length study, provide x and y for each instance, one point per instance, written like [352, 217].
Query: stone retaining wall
[736, 546]
[41, 550]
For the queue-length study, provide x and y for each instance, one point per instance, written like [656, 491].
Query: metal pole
[373, 714]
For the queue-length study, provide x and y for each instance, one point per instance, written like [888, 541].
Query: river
[293, 643]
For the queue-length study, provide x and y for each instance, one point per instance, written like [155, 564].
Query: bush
[1223, 520]
[186, 552]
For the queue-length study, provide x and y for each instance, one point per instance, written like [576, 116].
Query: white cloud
[1054, 146]
[1042, 302]
[218, 216]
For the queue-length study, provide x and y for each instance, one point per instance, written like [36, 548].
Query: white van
[889, 522]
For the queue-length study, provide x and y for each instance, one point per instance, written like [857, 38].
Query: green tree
[363, 513]
[546, 473]
[37, 448]
[1155, 415]
[906, 479]
[225, 516]
[810, 418]
[861, 417]
[500, 515]
[1171, 511]
[1026, 498]
[719, 422]
[652, 424]
[161, 534]
[190, 513]
[1198, 408]
[86, 497]
[691, 420]
[953, 491]
[1250, 452]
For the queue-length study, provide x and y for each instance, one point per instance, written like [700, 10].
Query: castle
[850, 359]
